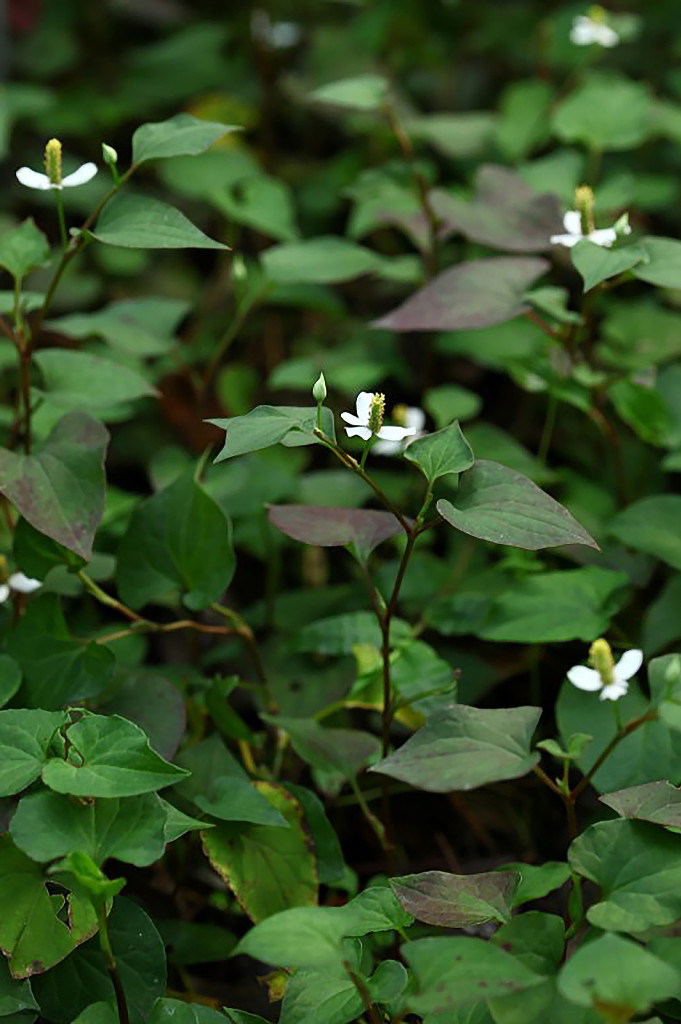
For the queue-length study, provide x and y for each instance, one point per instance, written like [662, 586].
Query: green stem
[625, 731]
[108, 600]
[60, 215]
[369, 815]
[111, 965]
[547, 432]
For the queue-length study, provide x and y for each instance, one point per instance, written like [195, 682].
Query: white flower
[411, 416]
[572, 222]
[34, 179]
[20, 583]
[587, 30]
[369, 420]
[610, 678]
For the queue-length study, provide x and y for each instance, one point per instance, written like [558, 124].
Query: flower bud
[109, 153]
[319, 389]
[376, 412]
[53, 161]
[600, 658]
[584, 201]
[622, 225]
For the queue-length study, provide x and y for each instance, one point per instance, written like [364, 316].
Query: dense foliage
[340, 548]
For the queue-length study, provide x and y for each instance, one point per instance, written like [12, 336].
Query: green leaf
[451, 402]
[268, 868]
[596, 263]
[327, 260]
[473, 294]
[453, 972]
[663, 266]
[336, 750]
[78, 380]
[340, 633]
[84, 978]
[98, 1013]
[321, 997]
[309, 937]
[636, 866]
[659, 802]
[15, 996]
[109, 757]
[327, 848]
[612, 972]
[457, 901]
[91, 879]
[47, 825]
[233, 799]
[23, 249]
[37, 554]
[643, 408]
[60, 489]
[446, 451]
[605, 113]
[10, 678]
[178, 539]
[141, 327]
[32, 936]
[536, 939]
[176, 1011]
[25, 738]
[362, 92]
[504, 507]
[651, 525]
[269, 424]
[58, 669]
[361, 529]
[524, 117]
[463, 747]
[182, 135]
[139, 222]
[259, 202]
[192, 943]
[571, 604]
[453, 135]
[537, 880]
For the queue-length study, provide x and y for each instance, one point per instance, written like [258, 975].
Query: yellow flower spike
[376, 412]
[600, 658]
[53, 161]
[584, 201]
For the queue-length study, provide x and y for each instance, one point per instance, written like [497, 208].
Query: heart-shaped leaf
[335, 527]
[446, 451]
[23, 249]
[140, 222]
[181, 135]
[457, 901]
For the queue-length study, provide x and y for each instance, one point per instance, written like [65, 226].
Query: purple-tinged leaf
[60, 489]
[457, 901]
[474, 294]
[335, 527]
[505, 213]
[659, 802]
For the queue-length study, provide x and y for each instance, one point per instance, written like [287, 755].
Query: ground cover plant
[340, 547]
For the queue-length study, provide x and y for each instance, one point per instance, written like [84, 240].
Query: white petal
[33, 179]
[395, 433]
[387, 448]
[4, 592]
[614, 691]
[606, 236]
[415, 417]
[604, 35]
[628, 665]
[85, 172]
[362, 432]
[584, 678]
[23, 584]
[572, 222]
[363, 405]
[568, 240]
[350, 417]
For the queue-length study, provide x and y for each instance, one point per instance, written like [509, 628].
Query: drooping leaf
[636, 867]
[23, 249]
[267, 425]
[457, 901]
[663, 266]
[453, 972]
[58, 669]
[659, 802]
[181, 135]
[179, 539]
[25, 738]
[463, 747]
[446, 451]
[32, 936]
[234, 799]
[268, 868]
[109, 757]
[474, 294]
[140, 222]
[652, 525]
[47, 825]
[504, 507]
[60, 489]
[505, 213]
[364, 529]
[615, 973]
